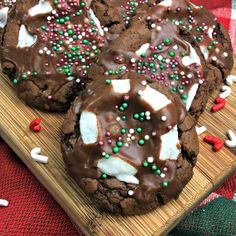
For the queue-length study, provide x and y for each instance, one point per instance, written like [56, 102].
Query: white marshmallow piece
[169, 142]
[3, 16]
[43, 7]
[25, 39]
[192, 58]
[88, 127]
[191, 95]
[3, 203]
[166, 3]
[154, 98]
[143, 49]
[226, 91]
[204, 51]
[36, 155]
[201, 130]
[97, 22]
[230, 80]
[118, 168]
[231, 143]
[121, 86]
[210, 32]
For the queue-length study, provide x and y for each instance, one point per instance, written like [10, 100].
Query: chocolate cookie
[190, 30]
[47, 49]
[129, 144]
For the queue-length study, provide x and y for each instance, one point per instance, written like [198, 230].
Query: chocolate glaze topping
[131, 130]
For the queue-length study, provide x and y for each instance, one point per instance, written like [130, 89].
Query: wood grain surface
[211, 169]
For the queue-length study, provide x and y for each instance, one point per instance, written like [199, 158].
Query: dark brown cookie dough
[47, 49]
[127, 166]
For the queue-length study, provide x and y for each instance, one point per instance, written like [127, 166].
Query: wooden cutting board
[211, 169]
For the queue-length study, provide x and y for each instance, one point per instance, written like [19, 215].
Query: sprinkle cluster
[72, 45]
[119, 137]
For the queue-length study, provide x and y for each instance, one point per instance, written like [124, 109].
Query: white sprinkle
[35, 154]
[129, 135]
[3, 203]
[175, 47]
[41, 51]
[131, 192]
[214, 58]
[231, 143]
[225, 54]
[158, 28]
[150, 159]
[103, 154]
[48, 52]
[146, 137]
[118, 118]
[201, 130]
[144, 82]
[182, 73]
[217, 50]
[148, 118]
[133, 138]
[105, 29]
[162, 175]
[147, 113]
[133, 60]
[140, 92]
[45, 49]
[160, 57]
[77, 80]
[128, 139]
[230, 80]
[131, 131]
[226, 91]
[163, 118]
[189, 76]
[153, 25]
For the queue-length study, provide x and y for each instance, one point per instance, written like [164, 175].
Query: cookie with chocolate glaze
[47, 49]
[129, 144]
[211, 37]
[177, 44]
[165, 54]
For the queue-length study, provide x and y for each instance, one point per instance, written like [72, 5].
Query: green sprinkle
[119, 144]
[209, 47]
[145, 164]
[184, 96]
[15, 81]
[104, 176]
[136, 116]
[139, 130]
[154, 167]
[123, 131]
[167, 41]
[171, 54]
[43, 27]
[83, 4]
[115, 150]
[23, 76]
[107, 156]
[165, 184]
[141, 142]
[159, 47]
[158, 171]
[108, 81]
[125, 105]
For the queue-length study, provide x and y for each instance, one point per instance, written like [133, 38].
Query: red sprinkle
[218, 144]
[35, 125]
[220, 104]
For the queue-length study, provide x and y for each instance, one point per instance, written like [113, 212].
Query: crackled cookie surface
[123, 145]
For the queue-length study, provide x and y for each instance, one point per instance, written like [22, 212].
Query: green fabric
[217, 218]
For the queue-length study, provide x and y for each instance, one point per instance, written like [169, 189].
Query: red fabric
[32, 210]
